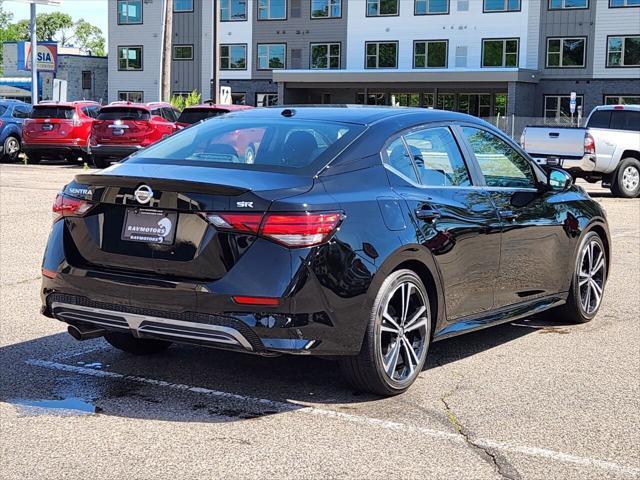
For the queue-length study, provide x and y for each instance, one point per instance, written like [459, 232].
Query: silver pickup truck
[607, 150]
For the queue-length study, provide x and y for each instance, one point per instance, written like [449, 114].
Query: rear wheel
[397, 338]
[587, 286]
[626, 180]
[11, 149]
[101, 162]
[137, 346]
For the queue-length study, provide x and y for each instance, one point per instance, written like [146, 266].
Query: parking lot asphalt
[531, 399]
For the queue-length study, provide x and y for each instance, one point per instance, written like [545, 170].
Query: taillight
[290, 229]
[589, 144]
[257, 301]
[66, 206]
[76, 120]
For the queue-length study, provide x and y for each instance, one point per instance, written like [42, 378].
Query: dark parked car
[60, 130]
[12, 116]
[197, 113]
[358, 233]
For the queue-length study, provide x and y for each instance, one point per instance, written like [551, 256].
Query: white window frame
[619, 97]
[265, 6]
[268, 56]
[561, 52]
[624, 39]
[329, 56]
[556, 117]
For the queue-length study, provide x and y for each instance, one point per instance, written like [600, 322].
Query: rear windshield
[52, 112]
[271, 144]
[194, 115]
[123, 113]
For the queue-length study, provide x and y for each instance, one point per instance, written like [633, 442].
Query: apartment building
[490, 58]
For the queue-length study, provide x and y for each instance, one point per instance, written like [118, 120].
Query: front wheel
[626, 180]
[397, 338]
[100, 162]
[587, 286]
[136, 346]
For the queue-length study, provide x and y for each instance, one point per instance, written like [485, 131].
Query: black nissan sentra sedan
[361, 233]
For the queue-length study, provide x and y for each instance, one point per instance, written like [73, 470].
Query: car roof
[13, 101]
[77, 103]
[144, 106]
[220, 106]
[359, 114]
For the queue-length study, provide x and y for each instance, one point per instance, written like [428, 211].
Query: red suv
[59, 130]
[123, 128]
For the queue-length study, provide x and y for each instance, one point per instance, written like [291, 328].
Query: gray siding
[567, 23]
[186, 75]
[297, 33]
[70, 68]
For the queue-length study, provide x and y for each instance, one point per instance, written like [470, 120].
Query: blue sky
[93, 11]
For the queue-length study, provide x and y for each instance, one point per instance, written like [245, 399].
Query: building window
[623, 51]
[272, 56]
[500, 52]
[476, 104]
[501, 5]
[238, 98]
[135, 97]
[87, 82]
[233, 57]
[326, 8]
[430, 54]
[325, 55]
[129, 58]
[431, 7]
[405, 99]
[182, 6]
[622, 100]
[567, 4]
[272, 9]
[129, 12]
[266, 99]
[381, 54]
[233, 10]
[566, 52]
[557, 110]
[446, 101]
[183, 52]
[624, 3]
[371, 99]
[500, 104]
[379, 8]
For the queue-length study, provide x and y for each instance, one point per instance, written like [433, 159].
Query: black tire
[136, 346]
[12, 144]
[101, 162]
[622, 185]
[574, 311]
[366, 371]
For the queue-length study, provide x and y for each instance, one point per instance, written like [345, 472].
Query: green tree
[89, 38]
[55, 26]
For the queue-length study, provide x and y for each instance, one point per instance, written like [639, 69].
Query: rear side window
[625, 120]
[600, 119]
[2, 109]
[118, 113]
[91, 112]
[194, 115]
[438, 158]
[276, 144]
[21, 112]
[399, 159]
[53, 112]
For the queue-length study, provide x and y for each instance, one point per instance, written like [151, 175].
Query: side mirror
[559, 180]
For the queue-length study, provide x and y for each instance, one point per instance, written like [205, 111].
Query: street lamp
[34, 43]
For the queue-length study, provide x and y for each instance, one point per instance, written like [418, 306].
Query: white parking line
[79, 351]
[296, 407]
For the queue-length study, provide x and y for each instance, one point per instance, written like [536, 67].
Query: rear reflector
[303, 229]
[66, 206]
[48, 273]
[259, 301]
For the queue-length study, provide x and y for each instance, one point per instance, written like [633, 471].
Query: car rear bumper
[114, 151]
[56, 150]
[586, 163]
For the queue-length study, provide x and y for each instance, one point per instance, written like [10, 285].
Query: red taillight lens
[258, 301]
[589, 144]
[290, 229]
[300, 230]
[66, 206]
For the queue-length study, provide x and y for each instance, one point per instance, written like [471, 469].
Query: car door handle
[508, 215]
[428, 214]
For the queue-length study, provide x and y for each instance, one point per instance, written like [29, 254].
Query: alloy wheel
[404, 330]
[591, 276]
[12, 147]
[630, 178]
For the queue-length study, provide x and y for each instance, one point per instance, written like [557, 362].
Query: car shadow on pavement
[189, 383]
